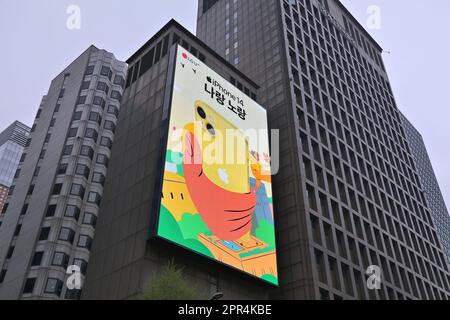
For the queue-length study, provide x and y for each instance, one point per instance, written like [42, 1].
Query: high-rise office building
[12, 143]
[348, 195]
[53, 205]
[430, 184]
[123, 259]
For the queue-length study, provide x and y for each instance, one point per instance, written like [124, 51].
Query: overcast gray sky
[36, 45]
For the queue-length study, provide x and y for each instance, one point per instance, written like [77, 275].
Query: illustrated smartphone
[226, 159]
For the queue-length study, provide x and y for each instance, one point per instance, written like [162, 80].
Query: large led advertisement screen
[216, 197]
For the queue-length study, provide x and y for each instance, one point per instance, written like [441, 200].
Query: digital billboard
[216, 197]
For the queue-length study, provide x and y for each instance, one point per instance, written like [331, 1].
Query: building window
[194, 51]
[81, 100]
[95, 116]
[29, 286]
[38, 114]
[81, 264]
[44, 234]
[11, 190]
[87, 152]
[51, 210]
[119, 80]
[90, 219]
[72, 212]
[47, 138]
[73, 294]
[72, 132]
[67, 151]
[98, 101]
[85, 85]
[53, 286]
[102, 86]
[147, 61]
[82, 170]
[113, 110]
[175, 39]
[157, 53]
[61, 93]
[109, 125]
[60, 259]
[77, 190]
[207, 4]
[98, 177]
[77, 115]
[91, 133]
[94, 197]
[165, 46]
[62, 168]
[37, 259]
[102, 159]
[116, 95]
[85, 242]
[89, 70]
[57, 108]
[106, 71]
[129, 76]
[17, 174]
[66, 234]
[106, 142]
[42, 154]
[57, 189]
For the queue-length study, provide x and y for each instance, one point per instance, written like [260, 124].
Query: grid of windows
[357, 166]
[362, 195]
[101, 84]
[430, 184]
